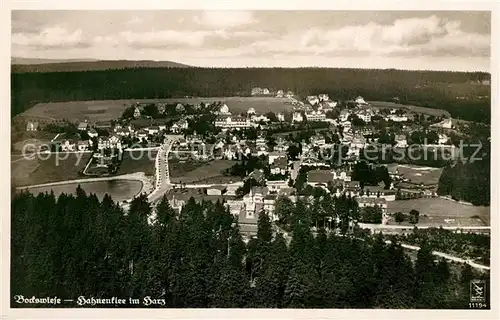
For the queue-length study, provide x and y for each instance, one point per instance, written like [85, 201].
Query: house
[332, 104]
[92, 133]
[280, 116]
[379, 192]
[318, 140]
[153, 130]
[275, 186]
[397, 118]
[344, 115]
[319, 178]
[161, 108]
[274, 155]
[443, 139]
[83, 126]
[313, 100]
[340, 174]
[289, 94]
[180, 108]
[365, 116]
[68, 145]
[109, 142]
[259, 118]
[142, 134]
[32, 126]
[360, 101]
[262, 151]
[280, 94]
[216, 190]
[323, 97]
[297, 117]
[83, 145]
[401, 141]
[257, 175]
[446, 124]
[261, 141]
[137, 113]
[279, 166]
[351, 188]
[123, 132]
[105, 125]
[180, 125]
[364, 202]
[281, 145]
[266, 91]
[232, 122]
[256, 91]
[251, 111]
[315, 116]
[224, 109]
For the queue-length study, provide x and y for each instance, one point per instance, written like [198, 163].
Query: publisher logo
[477, 291]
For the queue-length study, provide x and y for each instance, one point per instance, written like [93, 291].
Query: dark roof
[319, 176]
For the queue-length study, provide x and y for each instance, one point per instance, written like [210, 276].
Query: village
[317, 145]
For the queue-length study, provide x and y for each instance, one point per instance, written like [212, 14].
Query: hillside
[36, 65]
[420, 88]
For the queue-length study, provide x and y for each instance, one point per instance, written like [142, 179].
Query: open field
[442, 212]
[196, 171]
[418, 174]
[56, 167]
[138, 161]
[424, 110]
[105, 110]
[119, 190]
[34, 138]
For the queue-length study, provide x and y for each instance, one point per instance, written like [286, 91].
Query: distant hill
[17, 60]
[20, 65]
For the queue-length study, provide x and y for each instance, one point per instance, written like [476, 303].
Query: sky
[417, 40]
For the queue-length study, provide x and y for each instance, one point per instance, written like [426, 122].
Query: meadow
[105, 110]
[442, 212]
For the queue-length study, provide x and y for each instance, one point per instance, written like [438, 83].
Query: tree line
[76, 245]
[421, 88]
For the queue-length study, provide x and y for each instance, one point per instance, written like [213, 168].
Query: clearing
[47, 168]
[200, 172]
[416, 109]
[417, 174]
[442, 212]
[105, 110]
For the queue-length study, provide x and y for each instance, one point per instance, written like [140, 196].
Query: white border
[243, 5]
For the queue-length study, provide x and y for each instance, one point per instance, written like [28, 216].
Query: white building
[280, 94]
[443, 139]
[109, 142]
[360, 101]
[280, 116]
[315, 116]
[313, 100]
[251, 111]
[323, 97]
[344, 115]
[232, 122]
[401, 141]
[396, 118]
[276, 155]
[297, 117]
[224, 109]
[365, 116]
[180, 125]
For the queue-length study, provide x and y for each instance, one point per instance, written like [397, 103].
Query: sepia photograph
[251, 159]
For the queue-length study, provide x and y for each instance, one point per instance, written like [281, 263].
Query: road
[288, 239]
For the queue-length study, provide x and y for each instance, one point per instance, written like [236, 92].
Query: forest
[423, 88]
[76, 245]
